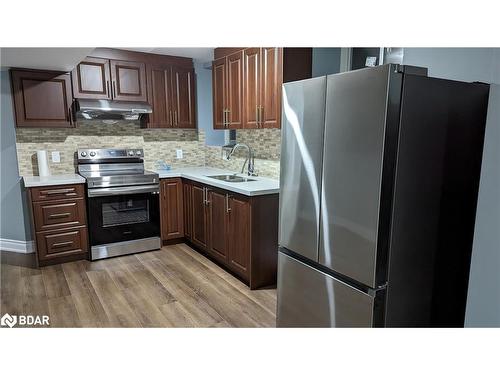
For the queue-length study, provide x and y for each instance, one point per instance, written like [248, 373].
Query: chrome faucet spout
[249, 158]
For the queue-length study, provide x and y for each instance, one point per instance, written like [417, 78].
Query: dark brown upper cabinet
[128, 79]
[183, 97]
[98, 78]
[160, 97]
[172, 96]
[219, 92]
[42, 98]
[91, 79]
[270, 89]
[235, 90]
[247, 84]
[227, 75]
[252, 86]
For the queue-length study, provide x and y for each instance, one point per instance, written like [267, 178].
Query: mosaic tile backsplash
[265, 144]
[158, 144]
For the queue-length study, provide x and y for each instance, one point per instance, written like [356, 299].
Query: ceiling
[63, 59]
[201, 54]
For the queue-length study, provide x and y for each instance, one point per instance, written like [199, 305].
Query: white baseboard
[17, 246]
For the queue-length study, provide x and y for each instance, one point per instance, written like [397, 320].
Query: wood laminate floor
[172, 287]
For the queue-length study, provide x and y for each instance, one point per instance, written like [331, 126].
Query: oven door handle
[122, 190]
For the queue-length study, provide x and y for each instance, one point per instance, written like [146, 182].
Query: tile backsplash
[265, 144]
[158, 144]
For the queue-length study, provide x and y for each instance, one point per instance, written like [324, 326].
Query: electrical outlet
[178, 153]
[56, 157]
[225, 154]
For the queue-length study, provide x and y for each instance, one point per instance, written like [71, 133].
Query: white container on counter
[43, 163]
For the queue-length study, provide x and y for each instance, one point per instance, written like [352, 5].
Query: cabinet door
[128, 80]
[159, 96]
[217, 224]
[199, 220]
[219, 88]
[271, 80]
[42, 98]
[251, 87]
[183, 96]
[188, 210]
[172, 221]
[91, 79]
[239, 235]
[235, 90]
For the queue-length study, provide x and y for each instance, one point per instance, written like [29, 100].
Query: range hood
[111, 110]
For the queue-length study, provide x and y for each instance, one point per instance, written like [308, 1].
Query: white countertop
[261, 185]
[57, 179]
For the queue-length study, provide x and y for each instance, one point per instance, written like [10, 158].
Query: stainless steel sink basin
[231, 178]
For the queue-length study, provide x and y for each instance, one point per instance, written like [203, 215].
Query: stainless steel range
[123, 202]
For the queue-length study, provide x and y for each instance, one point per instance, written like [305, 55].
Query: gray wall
[483, 303]
[464, 64]
[204, 105]
[477, 64]
[325, 61]
[13, 225]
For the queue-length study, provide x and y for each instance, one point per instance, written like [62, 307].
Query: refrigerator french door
[370, 190]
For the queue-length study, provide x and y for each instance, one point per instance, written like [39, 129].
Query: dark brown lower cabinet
[60, 223]
[237, 231]
[171, 208]
[217, 225]
[188, 211]
[238, 238]
[198, 213]
[56, 244]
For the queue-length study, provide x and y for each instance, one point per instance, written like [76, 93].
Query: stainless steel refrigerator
[379, 179]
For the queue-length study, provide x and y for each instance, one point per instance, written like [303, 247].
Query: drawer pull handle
[62, 244]
[56, 216]
[58, 191]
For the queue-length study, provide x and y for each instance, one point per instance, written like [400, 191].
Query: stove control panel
[110, 153]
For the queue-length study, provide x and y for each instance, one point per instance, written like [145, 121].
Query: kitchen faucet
[250, 158]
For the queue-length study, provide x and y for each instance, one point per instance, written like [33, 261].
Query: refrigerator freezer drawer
[308, 297]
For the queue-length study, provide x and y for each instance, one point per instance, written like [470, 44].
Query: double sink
[231, 178]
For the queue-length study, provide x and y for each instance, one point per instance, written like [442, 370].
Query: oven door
[123, 213]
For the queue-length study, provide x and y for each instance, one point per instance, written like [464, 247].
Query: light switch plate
[178, 153]
[56, 157]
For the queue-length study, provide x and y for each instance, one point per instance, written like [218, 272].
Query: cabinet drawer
[46, 193]
[61, 243]
[58, 214]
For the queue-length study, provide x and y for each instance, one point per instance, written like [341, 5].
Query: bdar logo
[8, 320]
